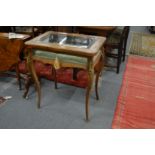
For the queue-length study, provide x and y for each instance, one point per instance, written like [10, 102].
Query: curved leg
[96, 86]
[37, 84]
[88, 91]
[27, 86]
[98, 72]
[34, 76]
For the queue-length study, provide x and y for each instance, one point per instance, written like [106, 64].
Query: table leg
[34, 76]
[98, 70]
[27, 86]
[88, 91]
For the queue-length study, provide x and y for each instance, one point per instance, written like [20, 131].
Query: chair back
[123, 36]
[127, 30]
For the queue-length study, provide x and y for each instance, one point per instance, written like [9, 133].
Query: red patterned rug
[64, 75]
[136, 102]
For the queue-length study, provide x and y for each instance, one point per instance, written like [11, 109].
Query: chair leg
[96, 85]
[117, 68]
[119, 60]
[124, 51]
[18, 76]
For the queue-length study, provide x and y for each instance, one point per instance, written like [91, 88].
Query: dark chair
[115, 46]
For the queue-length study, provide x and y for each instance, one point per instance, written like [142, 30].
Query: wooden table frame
[94, 56]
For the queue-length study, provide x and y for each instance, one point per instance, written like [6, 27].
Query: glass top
[74, 41]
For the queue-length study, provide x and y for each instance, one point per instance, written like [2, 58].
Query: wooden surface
[54, 47]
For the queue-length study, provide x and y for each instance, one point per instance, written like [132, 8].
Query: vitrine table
[67, 50]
